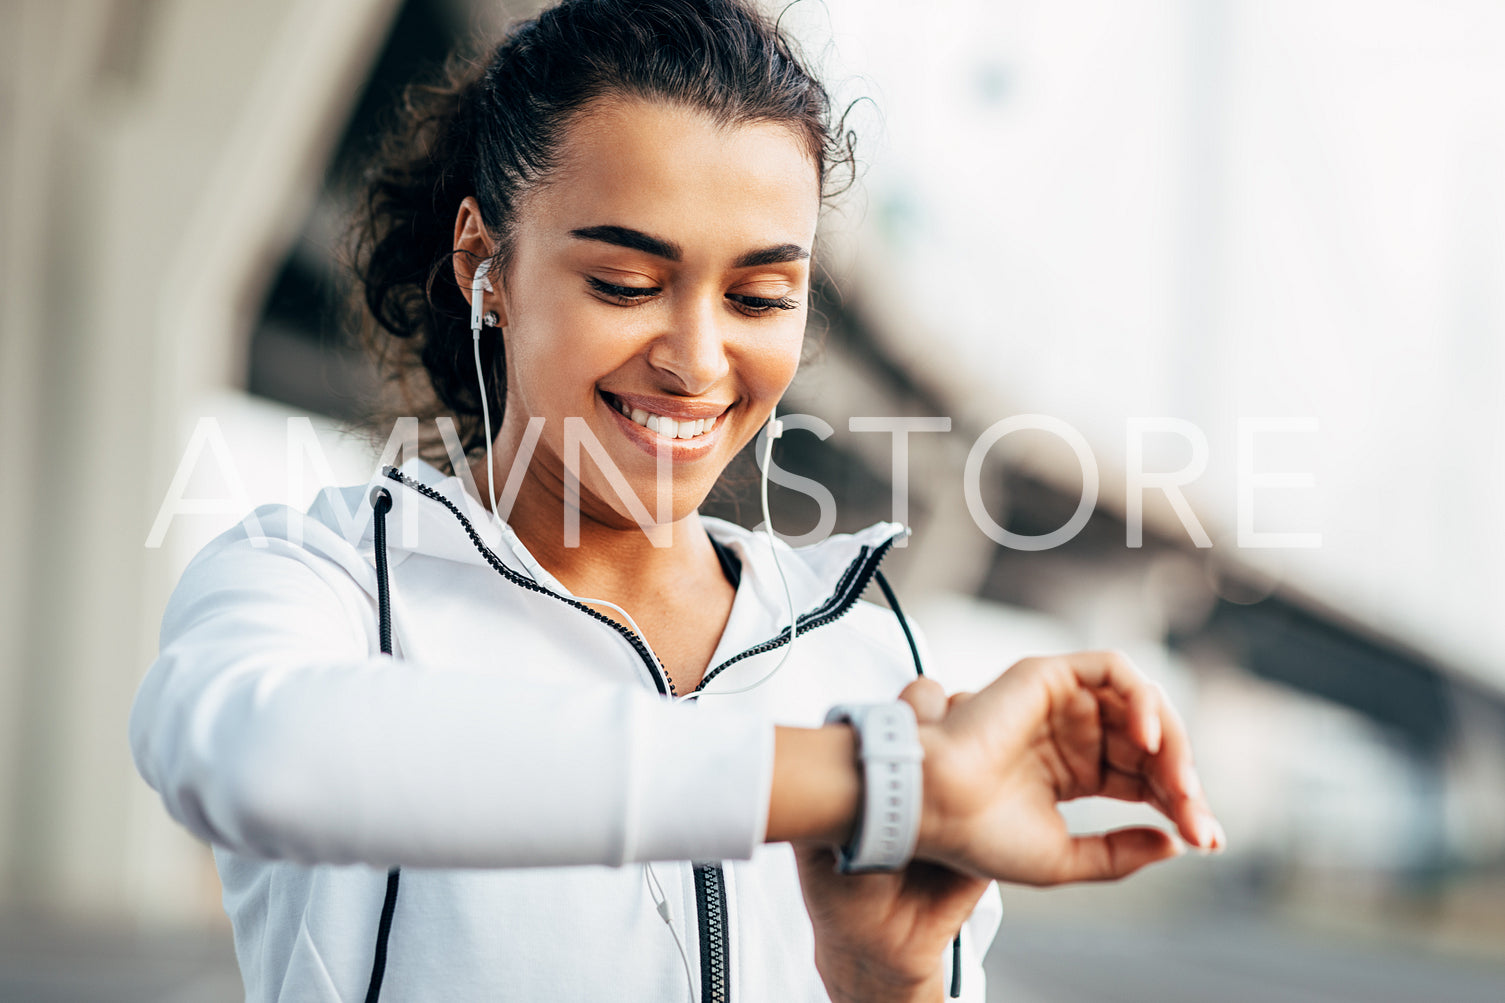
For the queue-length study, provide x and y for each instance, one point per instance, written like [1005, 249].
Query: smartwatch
[888, 825]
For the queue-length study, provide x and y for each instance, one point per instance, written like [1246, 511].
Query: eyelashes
[628, 293]
[762, 305]
[633, 295]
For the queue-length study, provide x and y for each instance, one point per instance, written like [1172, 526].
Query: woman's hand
[996, 764]
[1049, 730]
[879, 938]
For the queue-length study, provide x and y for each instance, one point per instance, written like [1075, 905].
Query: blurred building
[1214, 212]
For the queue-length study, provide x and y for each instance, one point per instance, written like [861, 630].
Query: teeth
[665, 426]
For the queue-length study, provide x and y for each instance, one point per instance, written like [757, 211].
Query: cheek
[558, 356]
[541, 355]
[769, 364]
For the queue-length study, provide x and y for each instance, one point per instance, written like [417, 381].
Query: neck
[615, 558]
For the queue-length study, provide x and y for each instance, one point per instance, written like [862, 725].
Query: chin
[685, 500]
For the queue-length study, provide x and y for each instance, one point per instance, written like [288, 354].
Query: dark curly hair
[491, 129]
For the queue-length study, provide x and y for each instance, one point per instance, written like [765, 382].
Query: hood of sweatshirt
[441, 516]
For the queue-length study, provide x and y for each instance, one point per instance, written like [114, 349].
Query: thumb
[1109, 856]
[959, 698]
[927, 698]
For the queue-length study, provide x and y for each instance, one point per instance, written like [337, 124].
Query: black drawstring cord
[893, 604]
[381, 503]
[919, 670]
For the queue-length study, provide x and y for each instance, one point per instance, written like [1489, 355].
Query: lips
[649, 420]
[671, 417]
[668, 427]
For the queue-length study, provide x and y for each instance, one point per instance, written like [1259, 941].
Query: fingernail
[1222, 837]
[1154, 735]
[1190, 785]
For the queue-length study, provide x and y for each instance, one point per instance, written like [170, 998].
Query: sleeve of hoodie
[269, 727]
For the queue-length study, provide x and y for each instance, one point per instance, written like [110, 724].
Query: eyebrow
[772, 256]
[633, 240]
[637, 240]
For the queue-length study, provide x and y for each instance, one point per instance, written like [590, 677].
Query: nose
[691, 354]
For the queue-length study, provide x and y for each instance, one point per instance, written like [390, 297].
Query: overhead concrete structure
[158, 159]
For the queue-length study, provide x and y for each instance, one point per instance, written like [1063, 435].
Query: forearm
[817, 785]
[366, 762]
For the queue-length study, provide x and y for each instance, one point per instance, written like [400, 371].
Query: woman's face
[657, 295]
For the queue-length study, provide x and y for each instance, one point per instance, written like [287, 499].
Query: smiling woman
[602, 235]
[657, 295]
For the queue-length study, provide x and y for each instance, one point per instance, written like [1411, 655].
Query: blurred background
[1279, 222]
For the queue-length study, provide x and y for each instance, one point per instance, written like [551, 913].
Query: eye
[624, 295]
[758, 306]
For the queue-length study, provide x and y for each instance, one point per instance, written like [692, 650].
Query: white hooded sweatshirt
[517, 758]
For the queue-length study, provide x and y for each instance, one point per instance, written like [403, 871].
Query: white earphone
[477, 301]
[477, 310]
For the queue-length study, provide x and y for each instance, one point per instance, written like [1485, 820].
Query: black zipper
[710, 906]
[710, 880]
[660, 677]
[854, 580]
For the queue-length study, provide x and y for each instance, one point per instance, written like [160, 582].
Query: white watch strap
[888, 826]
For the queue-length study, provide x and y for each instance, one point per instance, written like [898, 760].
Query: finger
[1174, 763]
[1178, 798]
[1173, 771]
[1124, 755]
[1078, 734]
[1171, 768]
[1113, 670]
[1112, 855]
[927, 698]
[957, 699]
[1134, 787]
[1188, 817]
[1146, 715]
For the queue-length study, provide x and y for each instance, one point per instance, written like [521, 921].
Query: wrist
[817, 785]
[935, 826]
[853, 976]
[892, 786]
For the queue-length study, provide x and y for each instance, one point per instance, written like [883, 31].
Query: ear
[472, 246]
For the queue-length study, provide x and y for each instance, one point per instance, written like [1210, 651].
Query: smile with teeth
[665, 426]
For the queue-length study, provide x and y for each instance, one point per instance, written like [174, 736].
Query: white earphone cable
[666, 913]
[775, 430]
[477, 304]
[486, 420]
